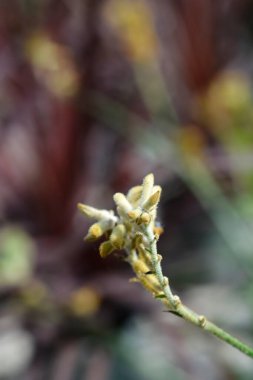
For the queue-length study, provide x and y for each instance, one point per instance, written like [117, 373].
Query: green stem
[175, 304]
[206, 325]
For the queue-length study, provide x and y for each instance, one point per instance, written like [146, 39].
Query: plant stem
[175, 304]
[205, 324]
[156, 262]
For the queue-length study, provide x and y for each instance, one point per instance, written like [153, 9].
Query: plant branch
[175, 305]
[135, 230]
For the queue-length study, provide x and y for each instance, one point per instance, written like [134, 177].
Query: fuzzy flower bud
[117, 237]
[144, 218]
[95, 213]
[134, 195]
[96, 230]
[134, 214]
[147, 187]
[105, 249]
[137, 240]
[152, 201]
[122, 203]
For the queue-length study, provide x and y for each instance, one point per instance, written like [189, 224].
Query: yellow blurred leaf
[53, 64]
[133, 21]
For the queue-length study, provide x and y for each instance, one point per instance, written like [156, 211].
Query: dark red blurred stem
[59, 153]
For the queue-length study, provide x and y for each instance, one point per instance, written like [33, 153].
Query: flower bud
[105, 249]
[144, 218]
[140, 267]
[137, 240]
[134, 214]
[150, 281]
[158, 230]
[152, 201]
[144, 255]
[95, 213]
[122, 203]
[95, 231]
[134, 195]
[117, 237]
[147, 187]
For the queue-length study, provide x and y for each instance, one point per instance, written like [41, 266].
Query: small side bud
[177, 301]
[158, 230]
[165, 281]
[105, 249]
[202, 320]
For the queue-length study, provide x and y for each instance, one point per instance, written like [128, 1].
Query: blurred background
[93, 96]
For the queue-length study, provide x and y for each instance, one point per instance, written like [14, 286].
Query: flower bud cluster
[134, 229]
[136, 211]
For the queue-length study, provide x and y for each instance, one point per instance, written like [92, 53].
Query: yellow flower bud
[140, 267]
[158, 230]
[144, 255]
[95, 232]
[152, 201]
[105, 249]
[137, 240]
[134, 214]
[117, 237]
[144, 218]
[147, 187]
[149, 281]
[122, 203]
[134, 195]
